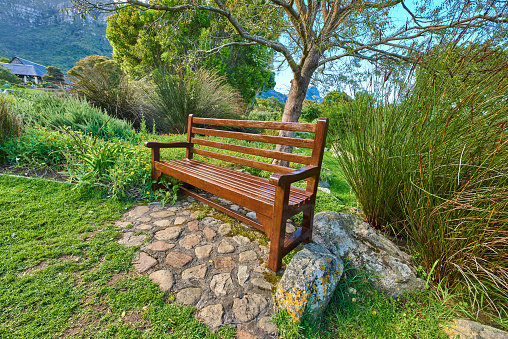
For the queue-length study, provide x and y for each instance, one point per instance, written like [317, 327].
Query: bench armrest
[283, 179]
[151, 144]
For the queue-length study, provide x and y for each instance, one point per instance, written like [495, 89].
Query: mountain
[50, 33]
[312, 94]
[273, 93]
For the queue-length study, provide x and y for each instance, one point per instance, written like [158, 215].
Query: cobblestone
[204, 264]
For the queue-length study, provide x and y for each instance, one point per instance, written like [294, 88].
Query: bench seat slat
[306, 143]
[248, 179]
[242, 181]
[227, 178]
[257, 190]
[263, 191]
[234, 195]
[301, 159]
[286, 126]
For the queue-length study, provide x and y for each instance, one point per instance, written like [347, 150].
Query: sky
[283, 78]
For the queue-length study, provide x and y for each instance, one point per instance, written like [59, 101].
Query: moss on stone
[272, 278]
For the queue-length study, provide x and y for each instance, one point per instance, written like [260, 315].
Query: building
[25, 70]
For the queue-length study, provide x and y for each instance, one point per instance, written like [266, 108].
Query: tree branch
[399, 36]
[217, 49]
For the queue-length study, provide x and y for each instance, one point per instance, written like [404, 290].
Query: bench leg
[278, 229]
[307, 222]
[156, 174]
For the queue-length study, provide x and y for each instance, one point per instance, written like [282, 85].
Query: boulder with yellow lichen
[309, 281]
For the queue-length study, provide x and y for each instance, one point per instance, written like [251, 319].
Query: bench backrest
[317, 144]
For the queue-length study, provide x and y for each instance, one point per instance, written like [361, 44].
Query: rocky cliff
[49, 32]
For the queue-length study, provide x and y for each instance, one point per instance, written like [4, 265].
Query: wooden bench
[273, 200]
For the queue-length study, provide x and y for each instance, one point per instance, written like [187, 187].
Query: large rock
[357, 242]
[309, 281]
[467, 329]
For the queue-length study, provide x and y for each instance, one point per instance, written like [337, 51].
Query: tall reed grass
[200, 92]
[10, 123]
[434, 168]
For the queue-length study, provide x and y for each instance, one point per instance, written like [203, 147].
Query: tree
[7, 75]
[4, 60]
[336, 97]
[322, 33]
[146, 40]
[54, 74]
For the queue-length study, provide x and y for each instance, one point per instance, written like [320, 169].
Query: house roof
[19, 69]
[39, 69]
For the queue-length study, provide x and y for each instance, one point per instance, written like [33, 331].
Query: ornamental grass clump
[176, 95]
[456, 200]
[10, 123]
[433, 167]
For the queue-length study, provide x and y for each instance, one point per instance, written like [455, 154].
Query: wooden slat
[287, 126]
[244, 178]
[301, 159]
[224, 180]
[214, 180]
[238, 197]
[263, 191]
[230, 178]
[306, 143]
[241, 161]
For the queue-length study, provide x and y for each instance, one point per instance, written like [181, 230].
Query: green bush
[56, 112]
[10, 125]
[311, 111]
[118, 169]
[201, 93]
[38, 147]
[6, 74]
[101, 81]
[48, 85]
[434, 167]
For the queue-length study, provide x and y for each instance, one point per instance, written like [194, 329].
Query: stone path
[205, 264]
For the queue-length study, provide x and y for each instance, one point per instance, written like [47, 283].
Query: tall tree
[145, 40]
[54, 74]
[319, 33]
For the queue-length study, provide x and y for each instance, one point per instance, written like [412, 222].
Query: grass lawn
[64, 275]
[358, 311]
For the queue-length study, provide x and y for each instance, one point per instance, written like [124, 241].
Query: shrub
[201, 93]
[101, 81]
[48, 85]
[38, 147]
[311, 111]
[6, 74]
[434, 167]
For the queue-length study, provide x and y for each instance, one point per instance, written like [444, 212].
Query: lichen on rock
[309, 282]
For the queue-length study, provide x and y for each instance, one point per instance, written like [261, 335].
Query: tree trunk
[294, 102]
